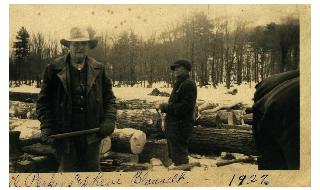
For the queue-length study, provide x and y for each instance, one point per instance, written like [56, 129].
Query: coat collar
[62, 65]
[182, 78]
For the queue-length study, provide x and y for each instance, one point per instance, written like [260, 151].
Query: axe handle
[74, 133]
[34, 140]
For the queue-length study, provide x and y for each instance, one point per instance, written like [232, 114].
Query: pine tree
[21, 51]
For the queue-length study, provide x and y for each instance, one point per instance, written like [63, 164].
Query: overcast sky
[56, 20]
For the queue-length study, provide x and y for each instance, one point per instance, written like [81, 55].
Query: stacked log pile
[23, 96]
[139, 135]
[22, 110]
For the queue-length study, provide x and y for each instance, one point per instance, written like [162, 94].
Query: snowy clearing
[207, 93]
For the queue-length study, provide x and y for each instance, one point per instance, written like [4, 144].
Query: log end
[137, 142]
[105, 145]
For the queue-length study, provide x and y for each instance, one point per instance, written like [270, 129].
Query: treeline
[220, 52]
[30, 56]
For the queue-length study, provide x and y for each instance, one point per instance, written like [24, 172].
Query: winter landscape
[231, 49]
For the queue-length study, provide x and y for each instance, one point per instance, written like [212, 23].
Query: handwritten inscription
[97, 180]
[143, 178]
[242, 180]
[78, 179]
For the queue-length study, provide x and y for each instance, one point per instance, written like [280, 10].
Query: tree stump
[155, 148]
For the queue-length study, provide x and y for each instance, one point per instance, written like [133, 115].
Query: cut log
[36, 164]
[135, 104]
[128, 140]
[40, 150]
[47, 150]
[248, 118]
[206, 140]
[105, 146]
[207, 106]
[236, 105]
[23, 96]
[146, 120]
[233, 117]
[155, 149]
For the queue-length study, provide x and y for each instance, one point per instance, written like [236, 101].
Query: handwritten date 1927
[239, 180]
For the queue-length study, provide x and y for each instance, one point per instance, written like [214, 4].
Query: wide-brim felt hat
[78, 34]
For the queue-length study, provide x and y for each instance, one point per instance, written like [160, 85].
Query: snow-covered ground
[216, 95]
[208, 93]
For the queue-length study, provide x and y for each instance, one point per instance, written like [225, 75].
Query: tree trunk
[128, 140]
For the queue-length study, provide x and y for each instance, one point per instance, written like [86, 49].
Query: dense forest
[220, 52]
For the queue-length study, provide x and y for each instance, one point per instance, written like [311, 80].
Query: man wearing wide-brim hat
[76, 94]
[180, 115]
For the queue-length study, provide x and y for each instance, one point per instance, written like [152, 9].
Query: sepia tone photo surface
[159, 95]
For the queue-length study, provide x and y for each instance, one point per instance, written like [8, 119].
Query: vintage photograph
[159, 95]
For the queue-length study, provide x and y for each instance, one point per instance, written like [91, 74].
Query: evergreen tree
[21, 51]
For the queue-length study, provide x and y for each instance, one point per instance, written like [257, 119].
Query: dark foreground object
[276, 122]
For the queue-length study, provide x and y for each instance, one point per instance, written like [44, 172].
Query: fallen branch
[228, 162]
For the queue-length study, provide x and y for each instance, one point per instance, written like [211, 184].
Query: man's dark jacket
[182, 101]
[54, 105]
[179, 120]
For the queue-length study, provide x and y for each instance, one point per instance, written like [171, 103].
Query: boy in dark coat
[180, 113]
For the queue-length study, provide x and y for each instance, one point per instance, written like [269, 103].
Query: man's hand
[107, 127]
[45, 133]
